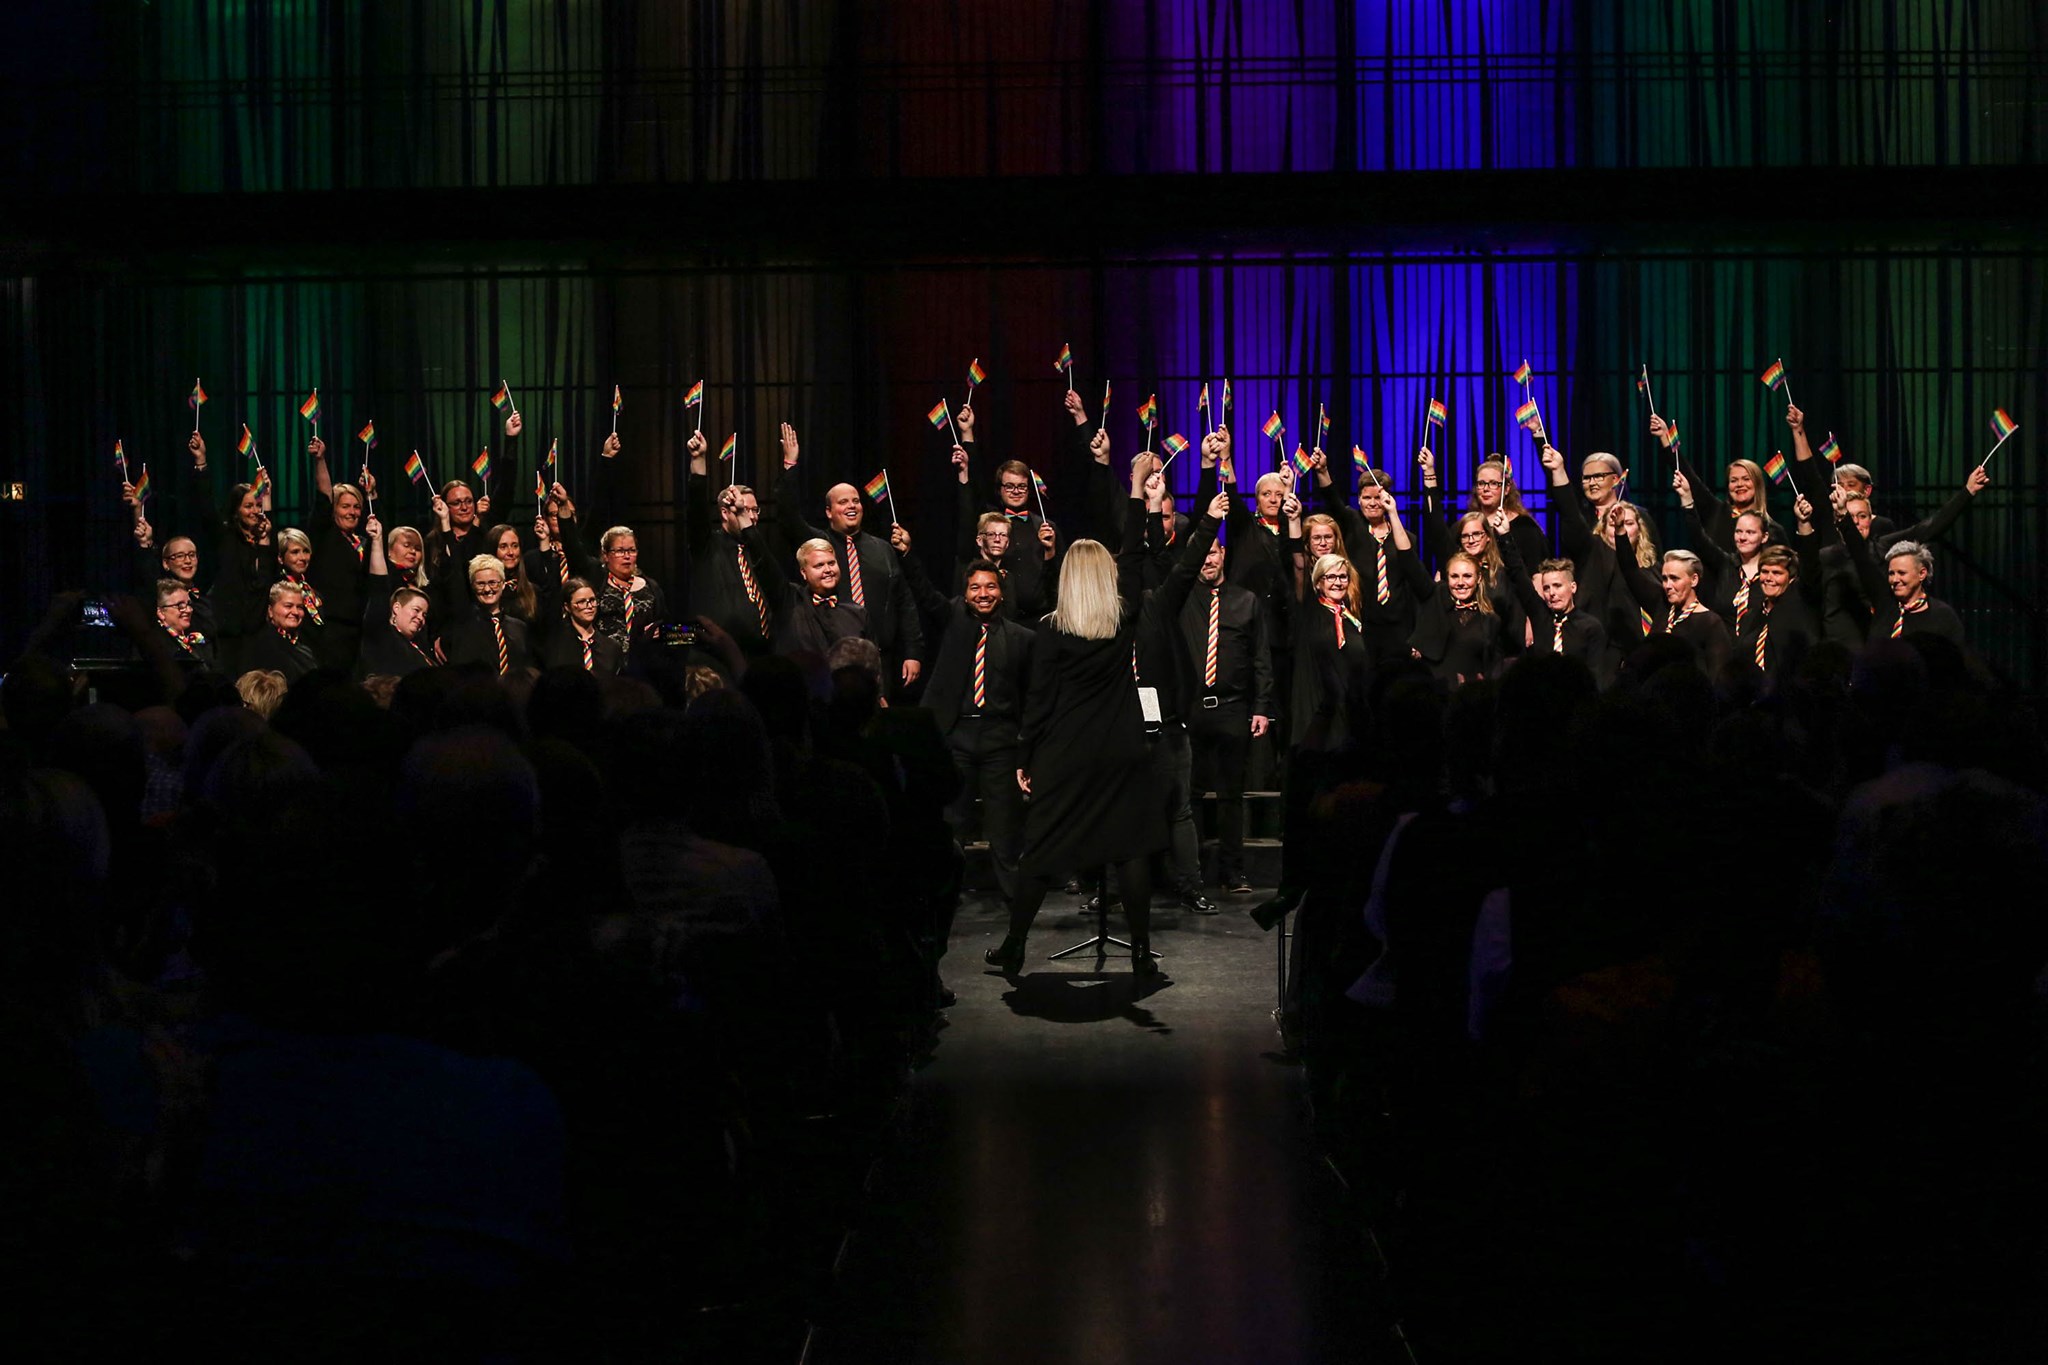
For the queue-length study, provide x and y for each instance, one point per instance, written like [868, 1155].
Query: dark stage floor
[1090, 1173]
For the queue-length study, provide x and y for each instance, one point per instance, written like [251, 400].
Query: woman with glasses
[577, 642]
[486, 634]
[1586, 526]
[174, 613]
[1496, 514]
[524, 598]
[1333, 661]
[456, 538]
[340, 571]
[294, 564]
[628, 602]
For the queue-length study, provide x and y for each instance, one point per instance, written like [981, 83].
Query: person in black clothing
[294, 563]
[1787, 621]
[577, 642]
[398, 646]
[340, 569]
[1458, 631]
[1853, 479]
[1225, 631]
[1601, 591]
[1748, 491]
[1496, 511]
[1673, 601]
[981, 672]
[278, 647]
[178, 561]
[241, 584]
[817, 613]
[1082, 756]
[485, 634]
[536, 601]
[1550, 597]
[1902, 584]
[1333, 665]
[1004, 538]
[869, 576]
[174, 614]
[1376, 540]
[733, 580]
[456, 538]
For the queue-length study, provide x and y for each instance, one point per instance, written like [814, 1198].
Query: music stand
[1103, 940]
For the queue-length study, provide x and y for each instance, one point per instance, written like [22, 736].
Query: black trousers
[1222, 739]
[984, 748]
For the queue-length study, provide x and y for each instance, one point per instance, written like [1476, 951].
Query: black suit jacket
[1244, 653]
[471, 641]
[716, 588]
[891, 616]
[267, 649]
[947, 685]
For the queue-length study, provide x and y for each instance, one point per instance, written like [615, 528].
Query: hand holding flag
[618, 400]
[975, 374]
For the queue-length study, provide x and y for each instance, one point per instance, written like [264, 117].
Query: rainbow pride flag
[1358, 460]
[730, 448]
[1037, 484]
[1202, 399]
[247, 443]
[1436, 411]
[1775, 466]
[261, 483]
[1322, 425]
[695, 395]
[938, 416]
[1148, 411]
[142, 485]
[1066, 360]
[551, 455]
[482, 464]
[975, 374]
[1300, 458]
[1522, 373]
[540, 487]
[618, 399]
[1830, 450]
[368, 435]
[310, 409]
[1171, 446]
[1273, 426]
[415, 469]
[2002, 424]
[1774, 377]
[198, 398]
[120, 455]
[1226, 399]
[501, 397]
[1526, 415]
[877, 488]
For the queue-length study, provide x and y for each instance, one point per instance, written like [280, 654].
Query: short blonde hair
[261, 689]
[483, 563]
[812, 546]
[292, 535]
[1328, 565]
[1089, 606]
[281, 588]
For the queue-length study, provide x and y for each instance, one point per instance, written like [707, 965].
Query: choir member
[869, 576]
[976, 689]
[1672, 599]
[1493, 490]
[1497, 510]
[578, 643]
[340, 569]
[1731, 573]
[1748, 489]
[398, 645]
[246, 569]
[1377, 541]
[178, 560]
[1600, 590]
[486, 634]
[1033, 544]
[535, 604]
[1459, 632]
[1225, 631]
[294, 562]
[1902, 586]
[1333, 665]
[1261, 558]
[174, 613]
[733, 580]
[457, 536]
[1853, 479]
[628, 602]
[1550, 597]
[817, 612]
[277, 646]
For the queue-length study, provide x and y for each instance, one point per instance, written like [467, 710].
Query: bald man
[869, 576]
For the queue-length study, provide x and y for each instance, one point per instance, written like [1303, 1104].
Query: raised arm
[1517, 574]
[1641, 586]
[1172, 594]
[1947, 516]
[1574, 533]
[1436, 513]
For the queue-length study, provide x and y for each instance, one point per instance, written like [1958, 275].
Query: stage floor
[1090, 1173]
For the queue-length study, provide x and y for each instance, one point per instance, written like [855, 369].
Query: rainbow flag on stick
[1831, 450]
[260, 485]
[975, 374]
[1358, 460]
[196, 401]
[1437, 414]
[1521, 375]
[121, 459]
[1773, 376]
[310, 409]
[1775, 466]
[142, 485]
[1148, 412]
[1171, 447]
[1103, 423]
[1066, 359]
[2002, 426]
[540, 487]
[368, 436]
[247, 445]
[552, 456]
[1322, 427]
[1038, 488]
[618, 399]
[877, 490]
[730, 448]
[1528, 417]
[693, 397]
[1301, 460]
[415, 468]
[501, 397]
[939, 416]
[482, 465]
[1226, 401]
[1273, 427]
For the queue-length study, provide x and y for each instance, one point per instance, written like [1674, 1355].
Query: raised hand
[899, 538]
[960, 462]
[1072, 403]
[373, 529]
[1427, 459]
[563, 506]
[1046, 539]
[1552, 457]
[440, 510]
[128, 495]
[317, 448]
[1212, 448]
[1290, 507]
[789, 447]
[369, 482]
[540, 529]
[1979, 479]
[1802, 508]
[1683, 487]
[964, 420]
[1318, 461]
[144, 533]
[1663, 431]
[483, 507]
[1098, 446]
[197, 445]
[1499, 521]
[610, 446]
[1219, 508]
[514, 424]
[1794, 418]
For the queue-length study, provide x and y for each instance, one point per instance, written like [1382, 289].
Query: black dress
[1093, 799]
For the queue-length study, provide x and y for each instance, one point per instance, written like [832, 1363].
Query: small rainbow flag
[501, 397]
[1322, 425]
[1436, 411]
[1148, 411]
[2002, 424]
[368, 435]
[975, 374]
[1774, 377]
[198, 398]
[551, 454]
[247, 443]
[1775, 466]
[1642, 383]
[877, 488]
[938, 416]
[1527, 415]
[1644, 613]
[1300, 457]
[482, 465]
[1066, 360]
[1358, 460]
[730, 448]
[415, 469]
[120, 455]
[618, 399]
[260, 484]
[1522, 373]
[142, 485]
[1036, 483]
[1105, 396]
[540, 487]
[310, 409]
[1830, 450]
[1173, 445]
[1202, 399]
[695, 395]
[1273, 426]
[1226, 399]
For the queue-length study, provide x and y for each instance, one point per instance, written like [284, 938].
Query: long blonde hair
[1647, 554]
[1089, 606]
[1354, 602]
[1760, 486]
[1480, 598]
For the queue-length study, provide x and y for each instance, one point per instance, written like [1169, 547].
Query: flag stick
[1981, 463]
[1647, 392]
[196, 387]
[124, 468]
[891, 489]
[1034, 489]
[1102, 424]
[138, 497]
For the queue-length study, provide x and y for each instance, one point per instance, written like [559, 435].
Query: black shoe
[1143, 963]
[1006, 957]
[1195, 902]
[946, 997]
[1267, 914]
[1237, 884]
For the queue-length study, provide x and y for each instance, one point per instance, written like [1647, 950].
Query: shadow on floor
[1094, 998]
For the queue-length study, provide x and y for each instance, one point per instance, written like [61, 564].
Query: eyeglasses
[178, 606]
[462, 502]
[1012, 486]
[1488, 483]
[1597, 478]
[182, 554]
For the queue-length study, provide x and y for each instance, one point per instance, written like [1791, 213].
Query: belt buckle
[1210, 703]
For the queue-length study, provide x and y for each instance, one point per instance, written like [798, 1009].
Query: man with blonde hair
[818, 612]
